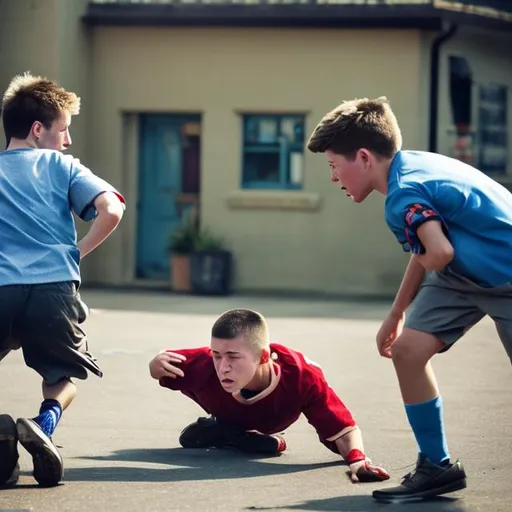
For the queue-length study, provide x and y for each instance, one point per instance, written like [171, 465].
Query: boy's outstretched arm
[164, 365]
[433, 252]
[335, 424]
[392, 325]
[110, 210]
[351, 448]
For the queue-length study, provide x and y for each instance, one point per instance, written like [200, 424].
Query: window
[493, 129]
[273, 150]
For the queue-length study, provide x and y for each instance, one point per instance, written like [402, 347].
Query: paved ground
[119, 438]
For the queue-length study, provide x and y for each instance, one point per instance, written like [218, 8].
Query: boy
[457, 222]
[40, 307]
[254, 389]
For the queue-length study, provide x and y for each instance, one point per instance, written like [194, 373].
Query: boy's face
[57, 137]
[352, 176]
[235, 363]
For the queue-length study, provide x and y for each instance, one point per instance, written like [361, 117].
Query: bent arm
[109, 213]
[438, 249]
[411, 282]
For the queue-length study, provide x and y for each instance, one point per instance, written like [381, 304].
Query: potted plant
[211, 265]
[181, 245]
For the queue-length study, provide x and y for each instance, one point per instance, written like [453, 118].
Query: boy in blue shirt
[457, 223]
[40, 307]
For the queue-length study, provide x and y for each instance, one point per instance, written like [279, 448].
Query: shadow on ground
[368, 504]
[185, 465]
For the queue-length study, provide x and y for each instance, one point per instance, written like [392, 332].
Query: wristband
[355, 456]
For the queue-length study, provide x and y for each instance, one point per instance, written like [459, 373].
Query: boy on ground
[457, 222]
[254, 389]
[40, 307]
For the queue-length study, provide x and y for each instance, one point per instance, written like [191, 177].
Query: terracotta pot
[180, 273]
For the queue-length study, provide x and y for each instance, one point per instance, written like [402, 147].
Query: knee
[401, 351]
[407, 350]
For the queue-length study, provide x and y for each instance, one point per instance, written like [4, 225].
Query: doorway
[168, 186]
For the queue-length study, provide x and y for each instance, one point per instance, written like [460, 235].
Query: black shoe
[9, 467]
[48, 466]
[256, 442]
[210, 432]
[203, 433]
[427, 481]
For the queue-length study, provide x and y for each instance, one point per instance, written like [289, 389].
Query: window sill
[273, 200]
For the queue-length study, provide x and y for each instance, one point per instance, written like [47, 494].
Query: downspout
[434, 84]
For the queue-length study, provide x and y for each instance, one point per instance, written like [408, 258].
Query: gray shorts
[447, 305]
[44, 320]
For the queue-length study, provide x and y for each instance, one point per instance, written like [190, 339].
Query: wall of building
[47, 38]
[326, 243]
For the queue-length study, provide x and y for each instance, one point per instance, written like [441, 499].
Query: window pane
[267, 130]
[262, 167]
[292, 128]
[493, 129]
[273, 148]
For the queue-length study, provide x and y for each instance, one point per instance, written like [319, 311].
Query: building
[196, 102]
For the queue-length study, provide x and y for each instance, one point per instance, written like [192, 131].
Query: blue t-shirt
[39, 190]
[476, 210]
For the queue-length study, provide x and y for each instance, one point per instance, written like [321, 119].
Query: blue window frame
[273, 151]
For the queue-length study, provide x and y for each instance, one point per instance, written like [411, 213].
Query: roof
[426, 14]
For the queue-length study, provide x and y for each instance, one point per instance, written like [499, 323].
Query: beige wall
[338, 247]
[28, 40]
[46, 38]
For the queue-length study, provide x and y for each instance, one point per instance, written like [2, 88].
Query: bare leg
[64, 392]
[411, 354]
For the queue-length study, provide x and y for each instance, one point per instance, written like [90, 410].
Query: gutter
[434, 84]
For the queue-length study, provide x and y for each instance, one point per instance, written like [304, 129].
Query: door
[168, 185]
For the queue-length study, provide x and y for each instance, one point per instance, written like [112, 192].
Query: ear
[36, 129]
[365, 156]
[265, 356]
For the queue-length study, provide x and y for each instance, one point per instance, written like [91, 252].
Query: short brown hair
[249, 324]
[356, 124]
[33, 98]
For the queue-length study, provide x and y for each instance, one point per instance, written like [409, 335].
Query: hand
[163, 365]
[389, 332]
[365, 471]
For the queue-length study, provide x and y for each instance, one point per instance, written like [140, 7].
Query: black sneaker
[9, 467]
[427, 481]
[255, 442]
[48, 466]
[203, 433]
[211, 432]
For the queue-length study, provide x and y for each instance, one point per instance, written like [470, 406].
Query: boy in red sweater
[254, 389]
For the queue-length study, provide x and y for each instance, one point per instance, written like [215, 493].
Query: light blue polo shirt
[475, 208]
[39, 190]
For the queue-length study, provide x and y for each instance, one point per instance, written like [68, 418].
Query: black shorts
[44, 319]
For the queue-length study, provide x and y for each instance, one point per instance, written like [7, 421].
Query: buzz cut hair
[245, 323]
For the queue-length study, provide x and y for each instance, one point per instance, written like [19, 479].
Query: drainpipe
[434, 84]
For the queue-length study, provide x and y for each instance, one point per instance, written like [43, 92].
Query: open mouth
[227, 382]
[347, 193]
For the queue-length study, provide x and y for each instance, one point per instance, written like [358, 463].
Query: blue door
[168, 183]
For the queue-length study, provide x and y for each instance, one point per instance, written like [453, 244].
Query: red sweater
[297, 386]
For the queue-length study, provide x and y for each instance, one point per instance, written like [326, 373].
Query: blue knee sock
[426, 420]
[49, 415]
